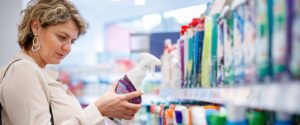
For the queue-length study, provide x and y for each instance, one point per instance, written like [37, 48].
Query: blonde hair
[49, 13]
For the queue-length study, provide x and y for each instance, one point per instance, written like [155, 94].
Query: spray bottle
[132, 80]
[135, 77]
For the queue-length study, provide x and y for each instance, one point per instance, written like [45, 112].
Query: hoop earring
[35, 44]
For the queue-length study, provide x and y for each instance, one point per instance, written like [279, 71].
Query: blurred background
[223, 61]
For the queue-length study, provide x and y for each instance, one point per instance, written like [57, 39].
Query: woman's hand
[117, 106]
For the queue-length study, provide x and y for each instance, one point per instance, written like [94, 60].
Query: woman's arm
[25, 101]
[24, 98]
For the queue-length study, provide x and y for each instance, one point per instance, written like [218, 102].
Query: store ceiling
[108, 11]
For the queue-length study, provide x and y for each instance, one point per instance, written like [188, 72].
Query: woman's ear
[35, 25]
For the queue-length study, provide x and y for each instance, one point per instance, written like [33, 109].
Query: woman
[30, 94]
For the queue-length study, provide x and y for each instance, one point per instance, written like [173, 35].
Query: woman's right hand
[117, 105]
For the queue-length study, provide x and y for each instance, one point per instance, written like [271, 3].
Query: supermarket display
[195, 114]
[244, 42]
[240, 42]
[243, 56]
[132, 80]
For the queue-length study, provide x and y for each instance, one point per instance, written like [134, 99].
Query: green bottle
[257, 118]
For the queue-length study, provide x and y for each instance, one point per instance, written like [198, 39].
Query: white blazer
[26, 91]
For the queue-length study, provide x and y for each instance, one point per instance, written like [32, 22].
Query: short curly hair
[49, 13]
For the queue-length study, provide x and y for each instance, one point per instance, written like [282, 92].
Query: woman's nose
[67, 47]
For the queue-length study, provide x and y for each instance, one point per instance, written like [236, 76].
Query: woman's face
[56, 42]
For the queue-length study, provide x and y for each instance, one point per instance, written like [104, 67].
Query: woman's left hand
[117, 105]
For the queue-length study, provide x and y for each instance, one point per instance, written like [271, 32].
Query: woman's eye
[62, 38]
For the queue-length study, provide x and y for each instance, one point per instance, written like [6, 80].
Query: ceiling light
[151, 20]
[114, 0]
[140, 2]
[185, 15]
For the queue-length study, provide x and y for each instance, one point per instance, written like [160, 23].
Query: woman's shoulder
[20, 66]
[25, 64]
[21, 60]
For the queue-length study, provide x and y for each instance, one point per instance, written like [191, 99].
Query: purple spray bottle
[132, 80]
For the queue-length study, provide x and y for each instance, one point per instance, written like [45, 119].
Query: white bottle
[135, 77]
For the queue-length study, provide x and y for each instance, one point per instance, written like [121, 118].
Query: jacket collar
[22, 55]
[50, 72]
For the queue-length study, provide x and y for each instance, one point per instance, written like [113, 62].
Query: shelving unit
[281, 97]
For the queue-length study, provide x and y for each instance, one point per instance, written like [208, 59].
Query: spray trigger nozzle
[152, 70]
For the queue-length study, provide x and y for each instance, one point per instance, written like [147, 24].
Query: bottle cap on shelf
[217, 119]
[211, 107]
[195, 22]
[257, 118]
[183, 29]
[178, 117]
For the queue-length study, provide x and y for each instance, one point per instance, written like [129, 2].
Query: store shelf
[281, 97]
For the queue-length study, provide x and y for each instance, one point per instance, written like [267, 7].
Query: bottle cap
[217, 119]
[183, 29]
[257, 118]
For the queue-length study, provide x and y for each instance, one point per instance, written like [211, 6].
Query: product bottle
[135, 77]
[169, 115]
[283, 119]
[197, 115]
[190, 42]
[213, 51]
[166, 67]
[228, 49]
[182, 53]
[263, 57]
[294, 64]
[257, 118]
[279, 40]
[181, 115]
[236, 115]
[198, 50]
[250, 35]
[205, 81]
[238, 11]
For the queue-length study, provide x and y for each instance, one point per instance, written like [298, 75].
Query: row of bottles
[179, 114]
[236, 42]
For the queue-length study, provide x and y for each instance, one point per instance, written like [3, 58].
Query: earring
[35, 44]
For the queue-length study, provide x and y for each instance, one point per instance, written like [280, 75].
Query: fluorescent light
[151, 20]
[185, 15]
[114, 0]
[140, 2]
